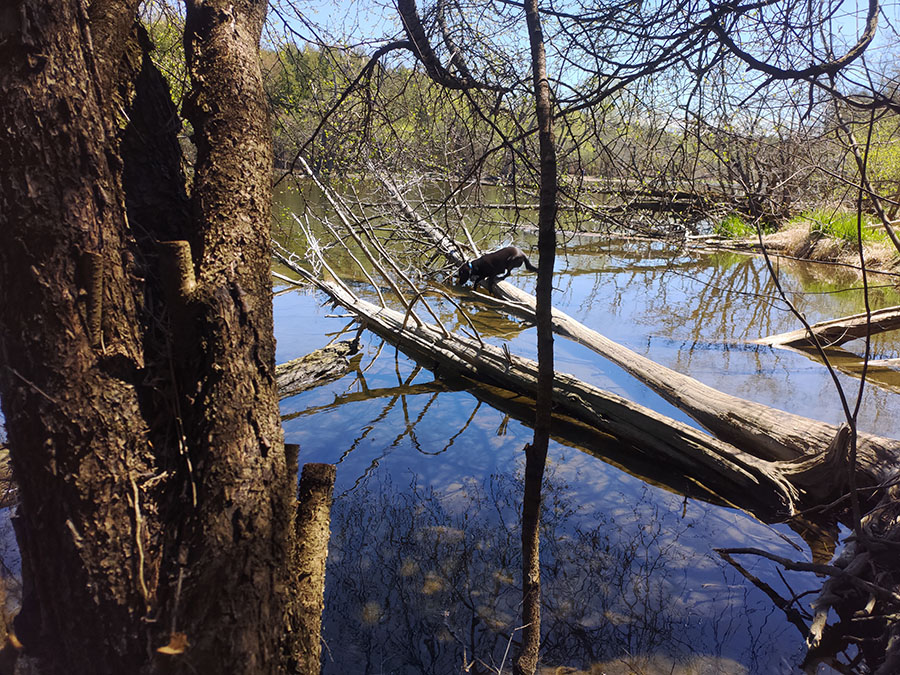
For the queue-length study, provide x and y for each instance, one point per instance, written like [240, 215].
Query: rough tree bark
[69, 390]
[156, 510]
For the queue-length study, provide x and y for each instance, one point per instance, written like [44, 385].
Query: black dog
[494, 266]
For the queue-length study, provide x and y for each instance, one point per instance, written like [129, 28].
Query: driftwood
[767, 432]
[566, 430]
[432, 387]
[838, 331]
[318, 367]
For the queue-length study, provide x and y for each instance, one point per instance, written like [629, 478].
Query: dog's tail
[528, 265]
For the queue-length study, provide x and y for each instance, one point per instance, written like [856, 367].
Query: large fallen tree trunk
[767, 432]
[720, 466]
[838, 331]
[805, 460]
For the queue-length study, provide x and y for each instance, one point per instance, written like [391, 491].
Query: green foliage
[734, 226]
[166, 31]
[841, 224]
[883, 164]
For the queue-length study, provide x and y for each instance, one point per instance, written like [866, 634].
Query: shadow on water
[422, 574]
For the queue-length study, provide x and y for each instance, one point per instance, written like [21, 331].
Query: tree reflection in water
[422, 581]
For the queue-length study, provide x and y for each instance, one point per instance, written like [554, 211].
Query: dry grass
[797, 241]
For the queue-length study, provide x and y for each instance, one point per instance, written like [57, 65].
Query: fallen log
[432, 387]
[566, 431]
[721, 467]
[318, 367]
[838, 331]
[766, 432]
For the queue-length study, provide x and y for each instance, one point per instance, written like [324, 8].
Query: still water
[423, 570]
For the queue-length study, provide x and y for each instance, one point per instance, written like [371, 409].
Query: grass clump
[841, 225]
[734, 226]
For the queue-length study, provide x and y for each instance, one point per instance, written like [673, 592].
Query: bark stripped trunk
[838, 331]
[767, 432]
[536, 453]
[150, 504]
[725, 469]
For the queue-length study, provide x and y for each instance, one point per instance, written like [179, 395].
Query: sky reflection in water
[424, 560]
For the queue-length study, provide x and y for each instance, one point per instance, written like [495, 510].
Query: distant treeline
[396, 118]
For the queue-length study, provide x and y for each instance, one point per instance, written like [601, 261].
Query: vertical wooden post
[313, 531]
[177, 270]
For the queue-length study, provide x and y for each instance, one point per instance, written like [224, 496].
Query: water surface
[423, 573]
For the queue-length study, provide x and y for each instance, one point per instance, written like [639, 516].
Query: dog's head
[465, 271]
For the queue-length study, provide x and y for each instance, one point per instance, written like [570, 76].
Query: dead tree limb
[838, 331]
[318, 367]
[721, 467]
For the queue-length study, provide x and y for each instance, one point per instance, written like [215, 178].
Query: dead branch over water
[838, 331]
[768, 433]
[782, 440]
[730, 470]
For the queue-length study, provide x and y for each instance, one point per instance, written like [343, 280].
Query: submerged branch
[318, 367]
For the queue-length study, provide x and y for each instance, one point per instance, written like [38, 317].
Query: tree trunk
[239, 535]
[726, 470]
[767, 432]
[313, 523]
[536, 452]
[143, 427]
[69, 388]
[838, 331]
